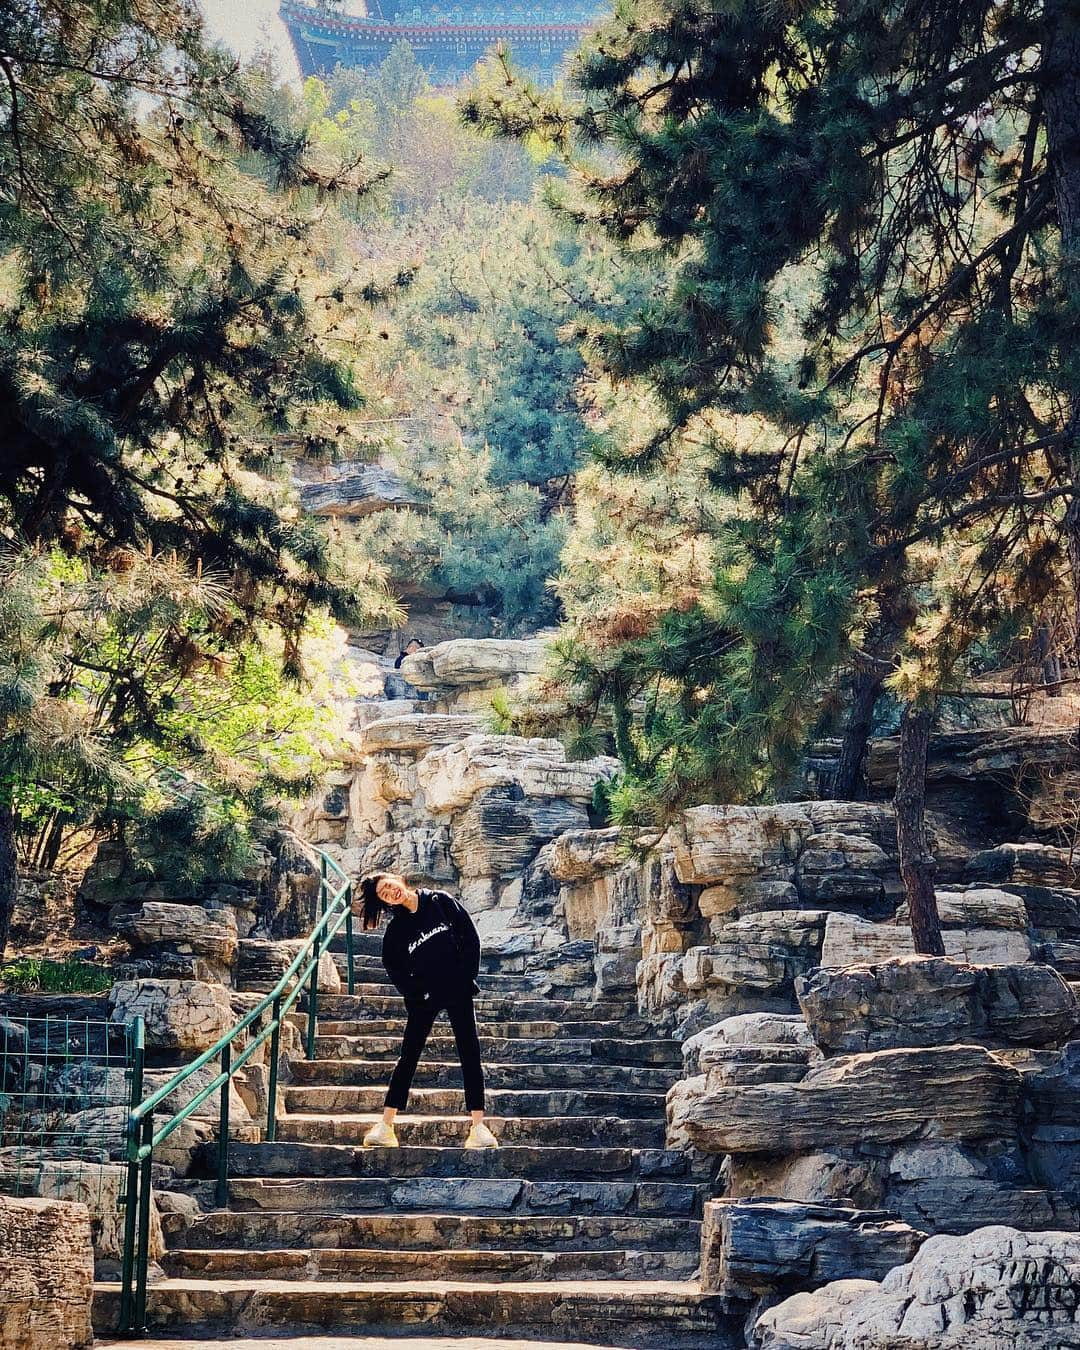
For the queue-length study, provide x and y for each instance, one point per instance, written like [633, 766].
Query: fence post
[349, 974]
[223, 1128]
[131, 1196]
[275, 1050]
[313, 983]
[143, 1259]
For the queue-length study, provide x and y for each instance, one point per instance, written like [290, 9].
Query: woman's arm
[465, 931]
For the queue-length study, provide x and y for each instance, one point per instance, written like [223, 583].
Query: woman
[431, 951]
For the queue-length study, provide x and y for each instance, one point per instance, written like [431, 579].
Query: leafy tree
[176, 309]
[870, 221]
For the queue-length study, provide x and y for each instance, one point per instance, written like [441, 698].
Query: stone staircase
[582, 1226]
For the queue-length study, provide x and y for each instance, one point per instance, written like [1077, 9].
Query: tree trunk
[864, 696]
[1061, 106]
[916, 860]
[9, 873]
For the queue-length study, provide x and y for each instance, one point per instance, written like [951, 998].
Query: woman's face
[392, 890]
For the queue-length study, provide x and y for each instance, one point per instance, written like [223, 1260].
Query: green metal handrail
[334, 909]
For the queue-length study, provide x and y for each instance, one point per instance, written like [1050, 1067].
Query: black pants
[418, 1028]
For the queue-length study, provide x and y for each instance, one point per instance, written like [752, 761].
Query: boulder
[851, 941]
[975, 907]
[993, 1287]
[759, 857]
[357, 489]
[889, 1097]
[102, 1188]
[450, 778]
[1028, 864]
[838, 870]
[179, 1014]
[584, 854]
[261, 963]
[618, 951]
[811, 1320]
[935, 1000]
[184, 929]
[421, 854]
[417, 733]
[754, 1247]
[565, 971]
[288, 888]
[501, 830]
[475, 661]
[47, 1260]
[748, 1029]
[680, 1101]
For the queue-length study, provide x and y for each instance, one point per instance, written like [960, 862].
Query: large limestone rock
[46, 1275]
[748, 1029]
[420, 854]
[890, 1097]
[1028, 864]
[475, 661]
[101, 1187]
[993, 1288]
[355, 489]
[450, 778]
[750, 858]
[812, 1319]
[975, 907]
[416, 734]
[754, 1247]
[853, 941]
[288, 894]
[187, 930]
[502, 829]
[262, 963]
[179, 1014]
[930, 1000]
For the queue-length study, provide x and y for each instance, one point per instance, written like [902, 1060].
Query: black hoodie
[434, 953]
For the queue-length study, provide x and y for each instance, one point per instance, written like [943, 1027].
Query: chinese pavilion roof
[447, 37]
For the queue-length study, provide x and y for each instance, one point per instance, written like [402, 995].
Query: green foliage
[122, 688]
[32, 975]
[867, 332]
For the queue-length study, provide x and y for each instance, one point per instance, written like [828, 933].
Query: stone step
[291, 1159]
[447, 1073]
[320, 1263]
[488, 1009]
[443, 1131]
[605, 1310]
[512, 1049]
[370, 970]
[261, 1230]
[473, 1195]
[626, 1030]
[500, 1101]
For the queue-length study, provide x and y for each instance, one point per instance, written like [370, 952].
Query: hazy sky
[248, 26]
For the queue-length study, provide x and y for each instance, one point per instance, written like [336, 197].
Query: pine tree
[868, 216]
[175, 307]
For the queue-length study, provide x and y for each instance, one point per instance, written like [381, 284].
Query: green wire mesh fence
[67, 1085]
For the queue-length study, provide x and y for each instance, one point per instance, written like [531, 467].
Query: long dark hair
[374, 908]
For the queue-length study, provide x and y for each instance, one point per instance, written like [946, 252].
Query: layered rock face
[432, 794]
[47, 1268]
[994, 1287]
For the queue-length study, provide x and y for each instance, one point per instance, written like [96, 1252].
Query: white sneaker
[381, 1136]
[481, 1137]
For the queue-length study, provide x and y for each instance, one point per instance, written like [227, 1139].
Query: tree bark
[916, 860]
[9, 873]
[1061, 106]
[864, 696]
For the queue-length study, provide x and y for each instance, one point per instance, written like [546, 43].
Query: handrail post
[223, 1128]
[349, 945]
[143, 1259]
[131, 1195]
[313, 1003]
[275, 1051]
